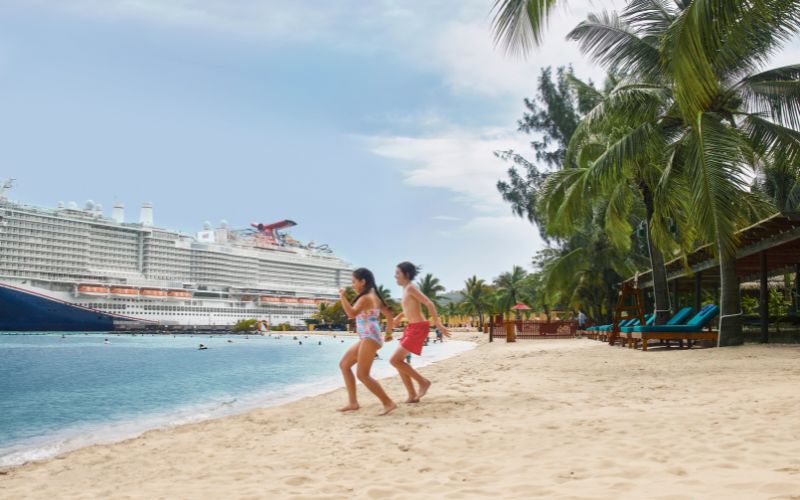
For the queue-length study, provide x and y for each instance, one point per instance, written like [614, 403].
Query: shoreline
[546, 418]
[80, 436]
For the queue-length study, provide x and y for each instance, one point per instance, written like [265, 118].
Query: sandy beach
[551, 418]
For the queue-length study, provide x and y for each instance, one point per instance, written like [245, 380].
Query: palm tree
[450, 310]
[509, 288]
[430, 287]
[725, 117]
[584, 272]
[387, 297]
[385, 293]
[475, 298]
[624, 190]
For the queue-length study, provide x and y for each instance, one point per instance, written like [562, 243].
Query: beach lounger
[649, 319]
[691, 331]
[607, 330]
[677, 319]
[595, 331]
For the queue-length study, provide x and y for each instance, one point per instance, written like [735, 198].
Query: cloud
[458, 160]
[486, 246]
[445, 218]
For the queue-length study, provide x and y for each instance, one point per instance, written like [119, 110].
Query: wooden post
[698, 291]
[491, 328]
[763, 309]
[796, 291]
[510, 333]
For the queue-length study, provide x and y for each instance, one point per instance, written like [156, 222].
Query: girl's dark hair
[409, 270]
[362, 273]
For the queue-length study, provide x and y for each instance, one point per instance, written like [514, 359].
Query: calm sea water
[58, 394]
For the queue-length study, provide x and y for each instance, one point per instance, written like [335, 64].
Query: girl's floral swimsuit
[368, 326]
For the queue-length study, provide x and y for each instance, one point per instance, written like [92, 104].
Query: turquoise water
[58, 394]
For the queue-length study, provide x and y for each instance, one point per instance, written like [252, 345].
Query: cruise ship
[72, 268]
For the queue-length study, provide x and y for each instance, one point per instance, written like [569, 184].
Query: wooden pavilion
[770, 247]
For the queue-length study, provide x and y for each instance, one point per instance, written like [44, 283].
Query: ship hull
[24, 311]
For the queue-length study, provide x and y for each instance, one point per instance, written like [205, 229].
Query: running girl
[366, 309]
[415, 333]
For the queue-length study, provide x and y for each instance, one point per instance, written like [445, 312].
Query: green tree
[619, 177]
[475, 298]
[509, 288]
[430, 286]
[245, 325]
[551, 118]
[726, 117]
[449, 310]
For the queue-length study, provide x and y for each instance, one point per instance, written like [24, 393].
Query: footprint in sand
[297, 480]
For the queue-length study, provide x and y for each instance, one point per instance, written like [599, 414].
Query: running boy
[415, 333]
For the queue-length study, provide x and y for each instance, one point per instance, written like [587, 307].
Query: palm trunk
[660, 287]
[730, 321]
[611, 304]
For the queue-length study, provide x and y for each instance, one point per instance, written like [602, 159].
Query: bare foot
[412, 399]
[423, 389]
[388, 409]
[348, 408]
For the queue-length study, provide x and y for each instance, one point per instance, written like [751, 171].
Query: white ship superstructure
[79, 258]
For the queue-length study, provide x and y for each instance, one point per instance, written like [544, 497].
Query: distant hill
[448, 297]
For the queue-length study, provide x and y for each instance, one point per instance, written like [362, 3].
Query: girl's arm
[352, 310]
[428, 303]
[387, 313]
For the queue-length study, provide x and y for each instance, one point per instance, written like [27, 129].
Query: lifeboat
[153, 292]
[307, 301]
[265, 298]
[124, 290]
[289, 300]
[179, 294]
[93, 289]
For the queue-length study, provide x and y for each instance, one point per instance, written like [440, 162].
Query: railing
[535, 329]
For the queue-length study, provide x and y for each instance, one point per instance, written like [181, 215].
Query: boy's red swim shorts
[414, 337]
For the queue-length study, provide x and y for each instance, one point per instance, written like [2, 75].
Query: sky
[370, 124]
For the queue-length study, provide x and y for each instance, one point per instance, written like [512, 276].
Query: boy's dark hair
[409, 270]
[362, 273]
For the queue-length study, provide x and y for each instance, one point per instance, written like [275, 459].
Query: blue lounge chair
[626, 322]
[599, 331]
[612, 339]
[692, 330]
[677, 319]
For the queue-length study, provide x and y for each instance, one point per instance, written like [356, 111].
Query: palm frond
[775, 92]
[717, 179]
[518, 25]
[612, 43]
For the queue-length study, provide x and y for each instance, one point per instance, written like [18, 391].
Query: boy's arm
[428, 303]
[399, 317]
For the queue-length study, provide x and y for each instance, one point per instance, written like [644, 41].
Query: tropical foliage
[476, 298]
[691, 139]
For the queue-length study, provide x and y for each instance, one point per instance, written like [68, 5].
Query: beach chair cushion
[696, 324]
[625, 322]
[677, 319]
